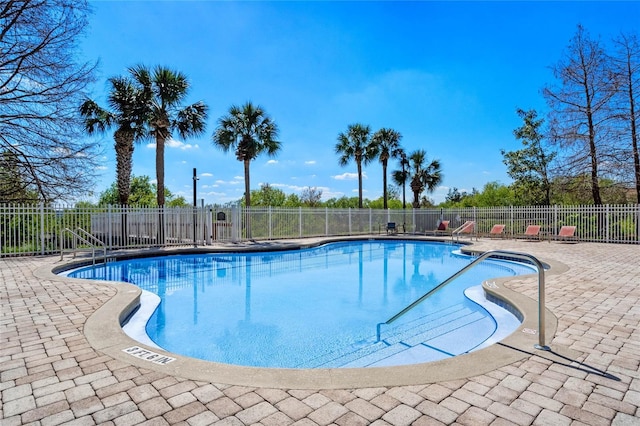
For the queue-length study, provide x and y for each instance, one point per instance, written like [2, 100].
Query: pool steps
[426, 338]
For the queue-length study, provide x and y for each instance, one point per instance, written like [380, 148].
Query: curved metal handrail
[511, 254]
[78, 234]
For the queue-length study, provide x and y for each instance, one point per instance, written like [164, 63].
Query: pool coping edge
[104, 333]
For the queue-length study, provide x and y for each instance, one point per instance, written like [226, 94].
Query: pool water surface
[316, 307]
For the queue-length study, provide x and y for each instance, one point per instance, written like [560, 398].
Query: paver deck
[51, 374]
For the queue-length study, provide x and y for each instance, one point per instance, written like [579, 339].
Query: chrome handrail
[522, 256]
[77, 236]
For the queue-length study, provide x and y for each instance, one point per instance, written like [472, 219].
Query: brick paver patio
[51, 375]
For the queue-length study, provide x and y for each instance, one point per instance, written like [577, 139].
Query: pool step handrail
[508, 254]
[81, 235]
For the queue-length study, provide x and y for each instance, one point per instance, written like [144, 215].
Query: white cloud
[329, 194]
[231, 182]
[206, 174]
[102, 168]
[238, 178]
[272, 162]
[349, 176]
[290, 187]
[172, 143]
[310, 162]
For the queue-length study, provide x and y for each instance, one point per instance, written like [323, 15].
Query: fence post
[511, 220]
[326, 221]
[42, 228]
[234, 223]
[349, 220]
[413, 219]
[110, 228]
[606, 223]
[208, 225]
[637, 211]
[300, 221]
[370, 221]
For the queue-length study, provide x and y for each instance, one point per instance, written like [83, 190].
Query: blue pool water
[314, 307]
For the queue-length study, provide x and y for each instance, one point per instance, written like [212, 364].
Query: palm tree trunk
[124, 151]
[160, 169]
[359, 184]
[247, 184]
[160, 185]
[416, 189]
[247, 196]
[384, 184]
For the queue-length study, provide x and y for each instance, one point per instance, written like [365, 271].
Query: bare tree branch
[41, 86]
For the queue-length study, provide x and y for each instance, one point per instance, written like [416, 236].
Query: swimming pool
[315, 307]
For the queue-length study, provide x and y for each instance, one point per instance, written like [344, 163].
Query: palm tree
[125, 114]
[250, 131]
[400, 177]
[424, 177]
[355, 143]
[387, 142]
[164, 90]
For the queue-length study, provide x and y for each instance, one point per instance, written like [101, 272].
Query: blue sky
[447, 75]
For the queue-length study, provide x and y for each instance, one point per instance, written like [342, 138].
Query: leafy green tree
[455, 196]
[401, 177]
[268, 196]
[387, 142]
[424, 176]
[164, 90]
[251, 132]
[293, 200]
[84, 205]
[426, 202]
[355, 144]
[126, 114]
[142, 193]
[492, 194]
[529, 166]
[344, 203]
[379, 203]
[495, 194]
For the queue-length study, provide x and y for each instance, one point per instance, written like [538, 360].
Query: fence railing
[35, 229]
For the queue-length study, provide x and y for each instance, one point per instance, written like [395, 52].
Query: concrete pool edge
[104, 333]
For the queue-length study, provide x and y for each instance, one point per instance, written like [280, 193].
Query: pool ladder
[492, 253]
[81, 235]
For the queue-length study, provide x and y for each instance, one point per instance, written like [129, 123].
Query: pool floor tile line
[50, 374]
